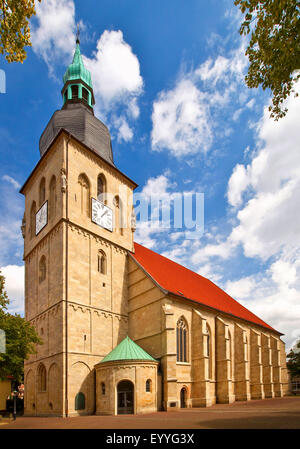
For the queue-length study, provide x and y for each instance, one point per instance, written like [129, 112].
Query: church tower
[77, 228]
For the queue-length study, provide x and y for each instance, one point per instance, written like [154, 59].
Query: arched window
[101, 188]
[74, 90]
[42, 269]
[42, 378]
[42, 195]
[148, 385]
[102, 265]
[32, 219]
[182, 340]
[208, 349]
[85, 94]
[52, 199]
[118, 214]
[84, 186]
[79, 401]
[103, 388]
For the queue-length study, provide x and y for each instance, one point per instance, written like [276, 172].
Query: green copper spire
[127, 350]
[76, 70]
[77, 79]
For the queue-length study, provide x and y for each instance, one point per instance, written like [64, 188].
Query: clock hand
[104, 214]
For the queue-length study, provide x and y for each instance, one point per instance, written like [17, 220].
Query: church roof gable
[182, 282]
[127, 350]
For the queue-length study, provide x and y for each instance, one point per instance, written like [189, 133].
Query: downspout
[216, 317]
[66, 280]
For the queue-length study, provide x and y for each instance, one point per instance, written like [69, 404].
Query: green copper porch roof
[76, 70]
[127, 350]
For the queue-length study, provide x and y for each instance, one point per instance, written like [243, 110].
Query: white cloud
[237, 184]
[14, 286]
[185, 118]
[210, 271]
[12, 181]
[181, 120]
[224, 69]
[124, 132]
[115, 71]
[266, 195]
[222, 250]
[53, 36]
[269, 216]
[274, 296]
[241, 288]
[117, 83]
[250, 104]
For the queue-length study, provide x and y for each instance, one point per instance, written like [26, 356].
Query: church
[124, 329]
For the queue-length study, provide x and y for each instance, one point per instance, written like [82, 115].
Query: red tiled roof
[183, 282]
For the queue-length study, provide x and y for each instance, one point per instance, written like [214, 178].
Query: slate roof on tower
[184, 283]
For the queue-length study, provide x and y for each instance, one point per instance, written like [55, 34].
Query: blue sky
[169, 82]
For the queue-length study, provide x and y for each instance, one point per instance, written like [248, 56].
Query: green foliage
[293, 362]
[14, 28]
[274, 47]
[21, 339]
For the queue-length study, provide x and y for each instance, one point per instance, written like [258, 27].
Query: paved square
[281, 413]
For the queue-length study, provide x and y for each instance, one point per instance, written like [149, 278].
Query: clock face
[102, 215]
[41, 218]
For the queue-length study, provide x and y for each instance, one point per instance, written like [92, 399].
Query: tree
[274, 47]
[21, 339]
[14, 28]
[293, 363]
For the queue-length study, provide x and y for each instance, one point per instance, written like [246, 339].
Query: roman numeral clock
[41, 218]
[102, 215]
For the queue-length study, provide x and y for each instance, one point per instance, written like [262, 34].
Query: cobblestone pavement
[278, 413]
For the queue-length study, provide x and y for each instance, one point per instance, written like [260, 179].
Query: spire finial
[78, 34]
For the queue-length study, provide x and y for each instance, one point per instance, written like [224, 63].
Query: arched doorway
[183, 394]
[125, 397]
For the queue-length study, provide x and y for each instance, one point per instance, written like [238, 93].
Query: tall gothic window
[32, 219]
[102, 265]
[42, 378]
[52, 199]
[118, 214]
[42, 194]
[208, 349]
[101, 188]
[84, 196]
[182, 340]
[42, 269]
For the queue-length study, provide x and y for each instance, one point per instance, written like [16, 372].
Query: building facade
[88, 287]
